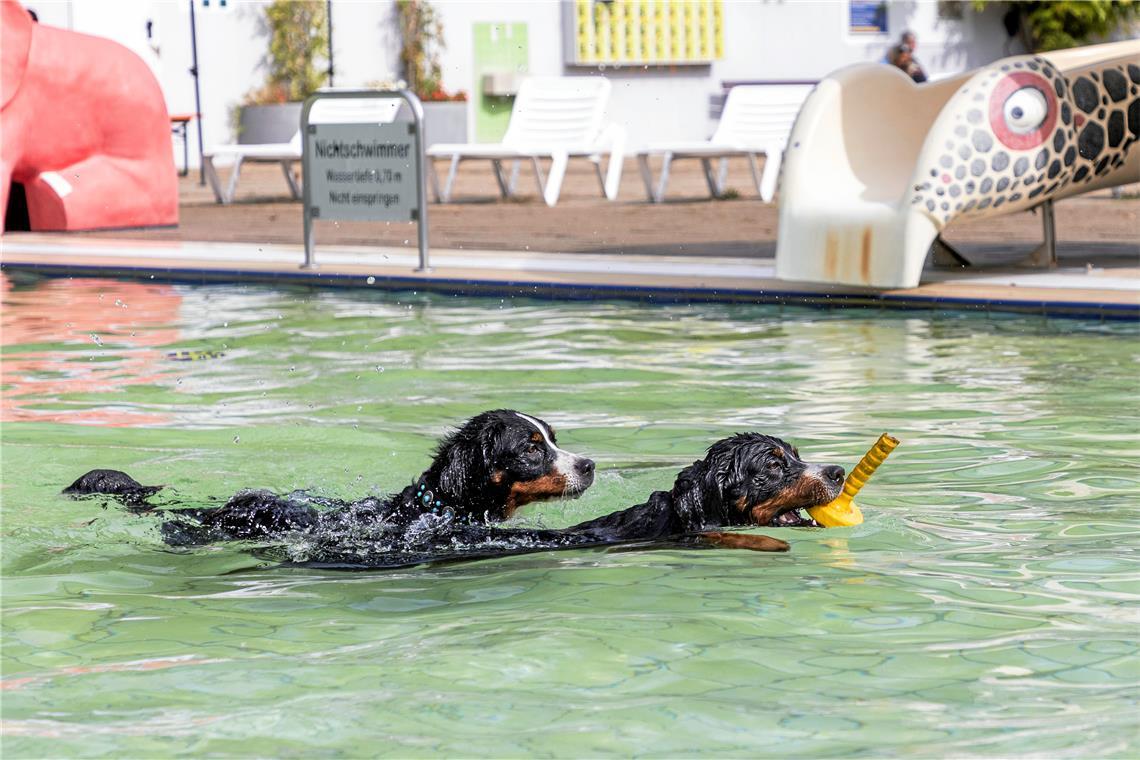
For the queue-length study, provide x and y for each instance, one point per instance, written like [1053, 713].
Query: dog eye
[532, 448]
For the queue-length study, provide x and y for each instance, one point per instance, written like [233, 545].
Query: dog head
[753, 479]
[503, 459]
[118, 485]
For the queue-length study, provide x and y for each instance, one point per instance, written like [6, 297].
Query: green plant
[1057, 24]
[298, 39]
[421, 33]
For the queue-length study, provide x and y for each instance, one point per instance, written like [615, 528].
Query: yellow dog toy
[841, 511]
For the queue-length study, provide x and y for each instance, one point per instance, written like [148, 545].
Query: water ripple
[987, 607]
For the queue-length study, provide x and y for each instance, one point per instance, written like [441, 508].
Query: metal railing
[419, 214]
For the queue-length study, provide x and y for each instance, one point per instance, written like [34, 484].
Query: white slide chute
[877, 166]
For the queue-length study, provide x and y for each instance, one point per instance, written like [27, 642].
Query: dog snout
[834, 474]
[583, 473]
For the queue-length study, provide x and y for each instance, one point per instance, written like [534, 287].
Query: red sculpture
[84, 130]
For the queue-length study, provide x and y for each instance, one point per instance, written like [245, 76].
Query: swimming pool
[986, 606]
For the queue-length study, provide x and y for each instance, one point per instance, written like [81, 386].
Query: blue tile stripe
[588, 291]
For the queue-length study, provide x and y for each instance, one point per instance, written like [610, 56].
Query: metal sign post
[364, 171]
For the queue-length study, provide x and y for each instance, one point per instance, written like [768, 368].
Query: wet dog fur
[747, 480]
[494, 464]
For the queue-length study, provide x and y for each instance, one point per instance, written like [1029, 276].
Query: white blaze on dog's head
[578, 471]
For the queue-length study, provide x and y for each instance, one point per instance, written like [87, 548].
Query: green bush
[1057, 24]
[298, 40]
[421, 33]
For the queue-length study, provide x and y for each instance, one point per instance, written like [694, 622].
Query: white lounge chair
[330, 111]
[756, 119]
[553, 117]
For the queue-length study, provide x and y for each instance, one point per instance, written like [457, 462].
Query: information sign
[362, 172]
[867, 17]
[363, 169]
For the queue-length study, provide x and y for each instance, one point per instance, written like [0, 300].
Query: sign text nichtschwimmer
[360, 149]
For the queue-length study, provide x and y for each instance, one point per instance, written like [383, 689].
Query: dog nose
[833, 473]
[584, 466]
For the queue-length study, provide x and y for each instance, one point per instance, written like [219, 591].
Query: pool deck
[689, 249]
[1112, 293]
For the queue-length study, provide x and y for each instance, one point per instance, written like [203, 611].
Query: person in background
[913, 68]
[916, 71]
[906, 38]
[902, 57]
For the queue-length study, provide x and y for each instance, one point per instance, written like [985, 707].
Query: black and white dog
[495, 463]
[747, 480]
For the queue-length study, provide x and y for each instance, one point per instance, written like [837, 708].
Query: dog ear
[690, 491]
[467, 458]
[490, 436]
[453, 463]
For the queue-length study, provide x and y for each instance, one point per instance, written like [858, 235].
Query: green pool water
[987, 606]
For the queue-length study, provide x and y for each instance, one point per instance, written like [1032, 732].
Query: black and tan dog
[495, 463]
[747, 480]
[488, 469]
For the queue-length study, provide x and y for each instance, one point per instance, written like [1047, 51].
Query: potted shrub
[298, 38]
[421, 32]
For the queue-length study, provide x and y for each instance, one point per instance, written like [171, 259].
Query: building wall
[232, 44]
[764, 39]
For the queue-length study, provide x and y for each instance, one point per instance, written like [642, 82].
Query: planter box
[269, 124]
[445, 122]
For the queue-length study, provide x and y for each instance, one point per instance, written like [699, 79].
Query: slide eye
[1025, 110]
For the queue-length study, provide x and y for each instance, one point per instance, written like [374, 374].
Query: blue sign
[867, 17]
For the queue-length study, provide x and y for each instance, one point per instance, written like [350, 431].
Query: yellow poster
[652, 32]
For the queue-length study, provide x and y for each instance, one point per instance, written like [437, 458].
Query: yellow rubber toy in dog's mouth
[841, 511]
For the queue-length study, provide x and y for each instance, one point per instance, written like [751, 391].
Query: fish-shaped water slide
[877, 167]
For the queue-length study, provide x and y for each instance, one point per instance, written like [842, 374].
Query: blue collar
[429, 500]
